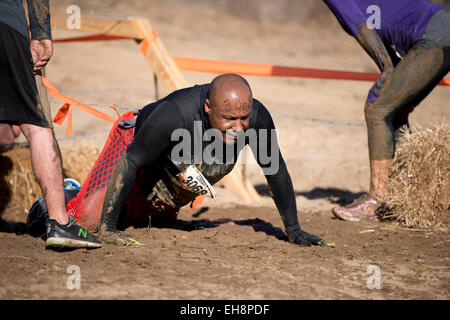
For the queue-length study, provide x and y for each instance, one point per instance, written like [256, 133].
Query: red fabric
[87, 206]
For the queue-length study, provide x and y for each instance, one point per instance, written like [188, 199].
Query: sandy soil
[235, 251]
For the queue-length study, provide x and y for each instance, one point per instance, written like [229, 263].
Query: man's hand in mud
[119, 238]
[41, 51]
[306, 239]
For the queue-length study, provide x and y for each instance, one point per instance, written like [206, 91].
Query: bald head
[225, 85]
[229, 103]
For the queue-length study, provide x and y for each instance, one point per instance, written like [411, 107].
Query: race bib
[193, 180]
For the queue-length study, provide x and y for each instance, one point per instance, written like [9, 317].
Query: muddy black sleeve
[153, 138]
[270, 159]
[39, 15]
[282, 191]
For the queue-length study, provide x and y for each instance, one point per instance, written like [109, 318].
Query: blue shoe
[38, 215]
[71, 189]
[37, 218]
[71, 184]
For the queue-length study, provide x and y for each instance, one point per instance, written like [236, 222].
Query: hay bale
[79, 157]
[419, 190]
[18, 187]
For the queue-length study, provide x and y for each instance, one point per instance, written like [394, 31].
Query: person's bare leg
[47, 168]
[16, 130]
[6, 137]
[379, 178]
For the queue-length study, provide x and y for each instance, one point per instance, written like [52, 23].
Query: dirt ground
[227, 250]
[236, 253]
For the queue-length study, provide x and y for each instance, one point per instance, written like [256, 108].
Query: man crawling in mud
[409, 40]
[160, 158]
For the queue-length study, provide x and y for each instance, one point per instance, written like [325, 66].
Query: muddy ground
[236, 253]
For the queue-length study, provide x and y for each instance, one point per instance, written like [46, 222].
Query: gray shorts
[437, 33]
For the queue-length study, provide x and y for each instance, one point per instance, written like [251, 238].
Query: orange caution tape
[69, 122]
[220, 66]
[95, 37]
[143, 47]
[66, 109]
[61, 114]
[243, 68]
[145, 44]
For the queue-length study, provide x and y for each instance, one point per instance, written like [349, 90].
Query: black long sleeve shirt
[154, 143]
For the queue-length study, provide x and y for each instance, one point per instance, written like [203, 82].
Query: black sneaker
[71, 235]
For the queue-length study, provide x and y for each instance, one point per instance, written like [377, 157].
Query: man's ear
[207, 107]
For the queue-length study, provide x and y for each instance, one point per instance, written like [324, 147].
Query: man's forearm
[39, 15]
[372, 44]
[282, 192]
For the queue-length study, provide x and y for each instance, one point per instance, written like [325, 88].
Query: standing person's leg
[7, 135]
[47, 168]
[63, 231]
[412, 80]
[24, 102]
[420, 71]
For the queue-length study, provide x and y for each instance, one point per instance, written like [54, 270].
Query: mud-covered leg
[118, 188]
[411, 81]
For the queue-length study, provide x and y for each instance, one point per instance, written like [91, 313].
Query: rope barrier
[327, 121]
[101, 90]
[209, 66]
[69, 102]
[244, 68]
[67, 109]
[94, 136]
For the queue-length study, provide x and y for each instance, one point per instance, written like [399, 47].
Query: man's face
[230, 113]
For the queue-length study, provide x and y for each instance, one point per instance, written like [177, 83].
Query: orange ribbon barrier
[245, 68]
[95, 37]
[66, 109]
[146, 42]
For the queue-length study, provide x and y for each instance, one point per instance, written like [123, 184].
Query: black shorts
[19, 97]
